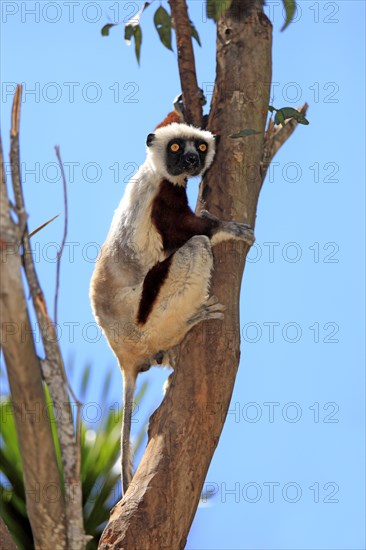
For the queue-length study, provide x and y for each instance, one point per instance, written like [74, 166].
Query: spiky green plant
[100, 473]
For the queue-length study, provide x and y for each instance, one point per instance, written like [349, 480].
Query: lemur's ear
[150, 139]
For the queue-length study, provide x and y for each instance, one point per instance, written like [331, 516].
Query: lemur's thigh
[179, 287]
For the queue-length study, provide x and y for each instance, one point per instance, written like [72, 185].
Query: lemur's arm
[176, 222]
[174, 219]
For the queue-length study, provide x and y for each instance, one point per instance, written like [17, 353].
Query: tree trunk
[160, 504]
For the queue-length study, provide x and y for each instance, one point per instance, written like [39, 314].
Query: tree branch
[64, 236]
[275, 137]
[47, 517]
[42, 226]
[192, 95]
[55, 317]
[53, 367]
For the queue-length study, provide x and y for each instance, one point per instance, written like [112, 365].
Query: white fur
[132, 225]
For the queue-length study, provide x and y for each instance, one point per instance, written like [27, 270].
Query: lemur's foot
[212, 309]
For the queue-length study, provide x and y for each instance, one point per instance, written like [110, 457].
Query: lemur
[151, 282]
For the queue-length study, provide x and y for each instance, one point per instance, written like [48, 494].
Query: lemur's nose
[192, 159]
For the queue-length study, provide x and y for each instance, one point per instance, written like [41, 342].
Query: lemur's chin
[186, 173]
[192, 172]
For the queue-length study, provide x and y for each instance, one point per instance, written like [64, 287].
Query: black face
[186, 157]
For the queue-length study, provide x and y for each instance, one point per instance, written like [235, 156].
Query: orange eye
[175, 147]
[202, 147]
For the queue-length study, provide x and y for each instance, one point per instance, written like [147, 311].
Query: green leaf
[128, 33]
[279, 118]
[301, 119]
[245, 133]
[105, 29]
[289, 112]
[137, 33]
[215, 8]
[107, 384]
[85, 380]
[141, 393]
[163, 24]
[12, 496]
[195, 34]
[290, 8]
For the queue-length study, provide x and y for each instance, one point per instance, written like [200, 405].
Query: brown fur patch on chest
[153, 282]
[174, 219]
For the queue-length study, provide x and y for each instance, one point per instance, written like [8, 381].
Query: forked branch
[275, 137]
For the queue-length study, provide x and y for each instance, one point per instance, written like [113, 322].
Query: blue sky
[289, 469]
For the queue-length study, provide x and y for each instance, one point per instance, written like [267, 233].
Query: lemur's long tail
[129, 384]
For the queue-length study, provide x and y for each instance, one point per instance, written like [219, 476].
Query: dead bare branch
[37, 451]
[58, 269]
[40, 227]
[64, 237]
[53, 367]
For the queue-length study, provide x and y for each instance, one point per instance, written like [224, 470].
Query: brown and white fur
[151, 283]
